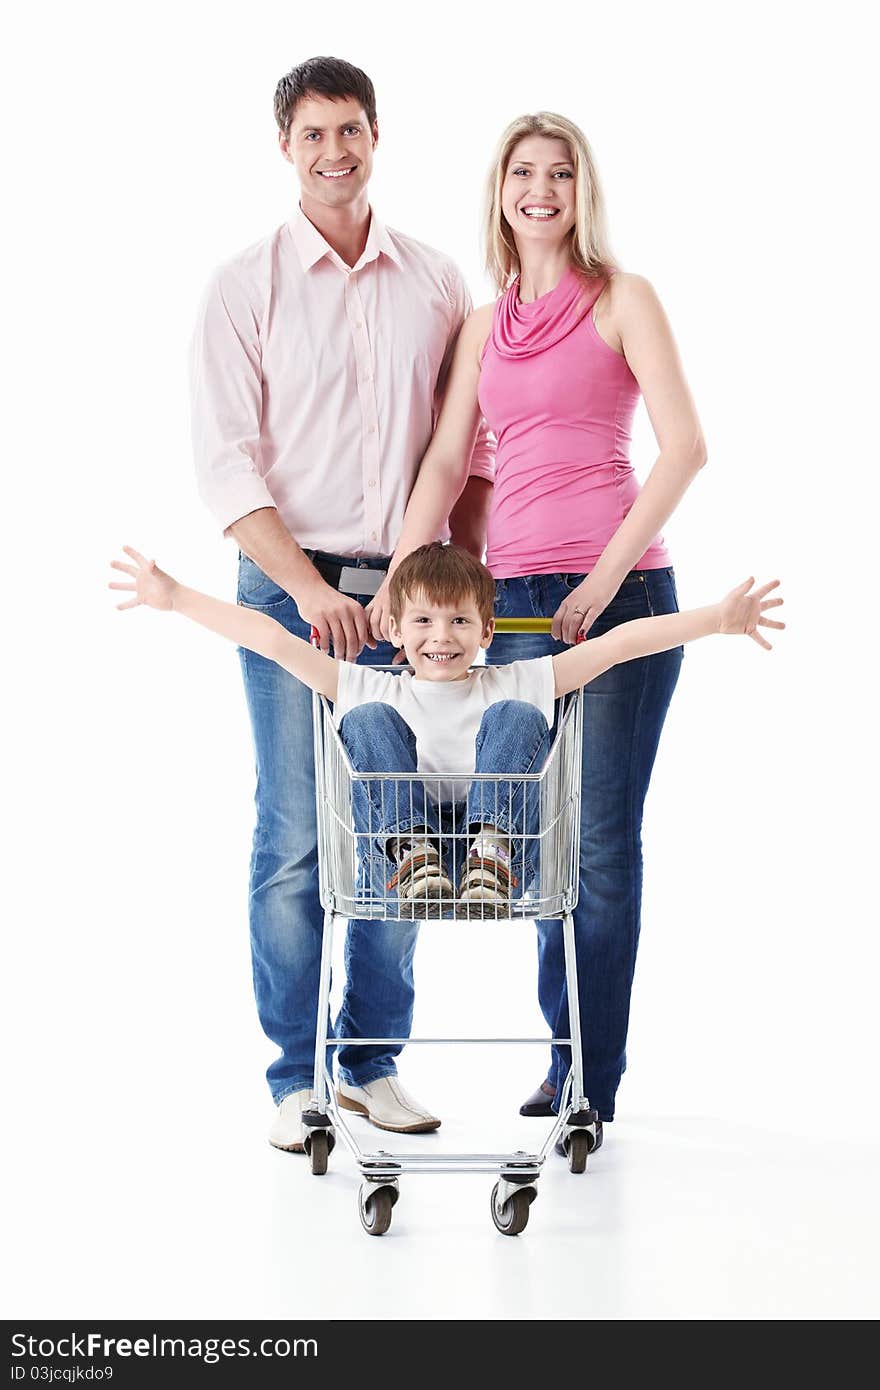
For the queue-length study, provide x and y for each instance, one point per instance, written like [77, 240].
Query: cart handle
[501, 625]
[529, 625]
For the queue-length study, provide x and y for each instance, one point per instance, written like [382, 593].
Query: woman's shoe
[540, 1102]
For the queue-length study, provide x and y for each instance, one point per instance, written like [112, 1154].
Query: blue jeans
[286, 920]
[624, 711]
[512, 737]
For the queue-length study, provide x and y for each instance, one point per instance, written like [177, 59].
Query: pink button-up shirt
[315, 385]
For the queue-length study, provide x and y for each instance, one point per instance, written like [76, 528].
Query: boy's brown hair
[444, 574]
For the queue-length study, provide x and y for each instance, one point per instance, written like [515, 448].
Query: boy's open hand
[743, 612]
[151, 586]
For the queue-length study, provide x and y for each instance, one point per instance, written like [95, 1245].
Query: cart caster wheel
[375, 1205]
[317, 1146]
[513, 1215]
[577, 1148]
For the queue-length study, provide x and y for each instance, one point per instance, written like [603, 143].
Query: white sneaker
[424, 888]
[387, 1105]
[287, 1131]
[487, 881]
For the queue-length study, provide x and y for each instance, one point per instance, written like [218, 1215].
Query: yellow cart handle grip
[523, 624]
[529, 625]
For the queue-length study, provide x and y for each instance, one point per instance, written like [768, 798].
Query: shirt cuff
[236, 497]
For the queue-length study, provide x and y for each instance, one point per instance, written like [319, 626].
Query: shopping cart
[544, 814]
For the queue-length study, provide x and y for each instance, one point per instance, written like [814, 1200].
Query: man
[319, 360]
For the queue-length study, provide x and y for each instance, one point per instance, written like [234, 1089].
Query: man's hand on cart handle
[337, 618]
[315, 640]
[378, 612]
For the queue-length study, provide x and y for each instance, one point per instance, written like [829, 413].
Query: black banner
[89, 1352]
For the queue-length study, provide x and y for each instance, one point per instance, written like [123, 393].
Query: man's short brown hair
[322, 77]
[445, 574]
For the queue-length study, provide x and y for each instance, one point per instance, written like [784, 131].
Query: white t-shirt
[445, 715]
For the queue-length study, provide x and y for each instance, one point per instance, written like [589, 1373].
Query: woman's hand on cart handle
[580, 609]
[741, 613]
[337, 618]
[151, 586]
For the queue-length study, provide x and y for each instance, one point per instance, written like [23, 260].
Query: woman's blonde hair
[589, 246]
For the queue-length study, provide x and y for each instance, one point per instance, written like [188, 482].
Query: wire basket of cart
[541, 811]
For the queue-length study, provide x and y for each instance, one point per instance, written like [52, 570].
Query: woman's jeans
[624, 710]
[286, 919]
[513, 737]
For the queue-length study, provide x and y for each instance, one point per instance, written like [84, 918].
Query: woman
[556, 365]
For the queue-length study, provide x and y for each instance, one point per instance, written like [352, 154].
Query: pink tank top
[560, 402]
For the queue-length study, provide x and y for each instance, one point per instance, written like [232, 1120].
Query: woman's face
[538, 192]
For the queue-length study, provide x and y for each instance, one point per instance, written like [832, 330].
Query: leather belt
[351, 579]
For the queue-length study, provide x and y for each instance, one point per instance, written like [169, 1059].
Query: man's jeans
[286, 919]
[513, 737]
[624, 710]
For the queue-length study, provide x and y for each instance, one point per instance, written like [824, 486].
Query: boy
[443, 716]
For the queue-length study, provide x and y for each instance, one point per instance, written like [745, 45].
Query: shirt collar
[311, 246]
[379, 242]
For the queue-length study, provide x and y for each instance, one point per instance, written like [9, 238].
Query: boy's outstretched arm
[256, 631]
[741, 612]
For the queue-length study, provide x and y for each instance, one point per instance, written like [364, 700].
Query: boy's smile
[441, 640]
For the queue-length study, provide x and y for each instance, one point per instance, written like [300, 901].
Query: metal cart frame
[548, 836]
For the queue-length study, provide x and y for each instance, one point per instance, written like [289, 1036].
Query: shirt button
[373, 535]
[371, 429]
[371, 483]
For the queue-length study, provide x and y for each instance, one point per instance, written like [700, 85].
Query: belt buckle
[360, 581]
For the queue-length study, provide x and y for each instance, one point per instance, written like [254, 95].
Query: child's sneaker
[487, 880]
[424, 888]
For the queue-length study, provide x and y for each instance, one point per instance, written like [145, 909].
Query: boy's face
[441, 641]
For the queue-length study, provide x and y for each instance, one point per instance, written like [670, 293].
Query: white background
[733, 145]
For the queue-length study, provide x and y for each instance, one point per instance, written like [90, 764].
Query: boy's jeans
[624, 710]
[286, 919]
[513, 737]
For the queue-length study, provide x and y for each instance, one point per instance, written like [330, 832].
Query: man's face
[441, 640]
[331, 145]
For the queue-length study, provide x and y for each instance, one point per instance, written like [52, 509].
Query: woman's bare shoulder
[627, 303]
[626, 288]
